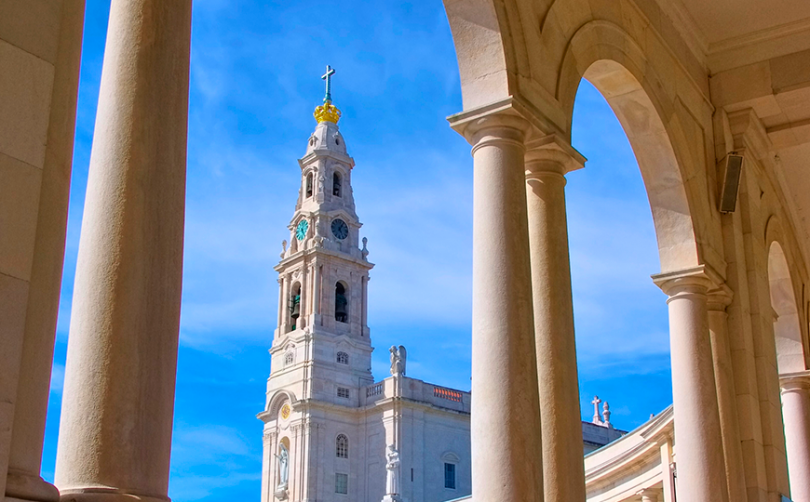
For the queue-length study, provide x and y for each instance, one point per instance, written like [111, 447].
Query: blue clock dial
[340, 229]
[301, 230]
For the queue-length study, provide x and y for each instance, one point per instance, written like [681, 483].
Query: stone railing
[449, 394]
[375, 390]
[412, 389]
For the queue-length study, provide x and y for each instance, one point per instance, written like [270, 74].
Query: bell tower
[321, 352]
[323, 272]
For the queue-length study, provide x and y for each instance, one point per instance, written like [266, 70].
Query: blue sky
[255, 79]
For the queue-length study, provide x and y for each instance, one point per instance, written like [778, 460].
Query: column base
[106, 494]
[25, 487]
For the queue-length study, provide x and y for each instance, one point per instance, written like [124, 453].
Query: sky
[255, 80]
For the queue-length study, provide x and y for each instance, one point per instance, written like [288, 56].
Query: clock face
[340, 228]
[301, 230]
[285, 411]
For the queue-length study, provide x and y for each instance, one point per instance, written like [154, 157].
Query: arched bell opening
[309, 185]
[294, 306]
[337, 184]
[341, 302]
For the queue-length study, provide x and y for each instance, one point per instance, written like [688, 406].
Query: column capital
[511, 113]
[551, 154]
[791, 382]
[696, 280]
[720, 297]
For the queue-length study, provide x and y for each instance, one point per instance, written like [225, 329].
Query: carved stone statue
[398, 357]
[392, 470]
[283, 472]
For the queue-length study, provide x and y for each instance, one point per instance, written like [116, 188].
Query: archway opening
[628, 218]
[786, 325]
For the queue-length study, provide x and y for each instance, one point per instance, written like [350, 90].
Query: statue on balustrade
[398, 357]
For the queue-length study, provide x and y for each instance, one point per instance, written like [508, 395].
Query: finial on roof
[327, 112]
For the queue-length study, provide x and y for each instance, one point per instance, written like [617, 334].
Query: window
[342, 446]
[450, 475]
[341, 483]
[336, 185]
[343, 358]
[341, 303]
[343, 392]
[309, 185]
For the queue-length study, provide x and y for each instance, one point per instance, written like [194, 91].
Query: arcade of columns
[518, 79]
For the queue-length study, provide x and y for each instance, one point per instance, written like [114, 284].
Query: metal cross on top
[328, 77]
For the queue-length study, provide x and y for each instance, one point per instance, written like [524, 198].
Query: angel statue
[398, 357]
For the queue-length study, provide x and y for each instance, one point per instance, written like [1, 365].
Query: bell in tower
[341, 304]
[295, 307]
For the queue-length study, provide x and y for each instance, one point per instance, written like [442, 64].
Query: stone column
[667, 468]
[316, 288]
[698, 440]
[718, 300]
[507, 465]
[285, 302]
[280, 281]
[116, 426]
[547, 162]
[796, 416]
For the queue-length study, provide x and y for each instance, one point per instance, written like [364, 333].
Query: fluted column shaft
[115, 435]
[563, 468]
[796, 416]
[698, 439]
[506, 467]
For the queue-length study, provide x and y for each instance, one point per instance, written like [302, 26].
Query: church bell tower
[321, 351]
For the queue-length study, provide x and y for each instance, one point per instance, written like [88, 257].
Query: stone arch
[483, 57]
[787, 325]
[609, 58]
[278, 400]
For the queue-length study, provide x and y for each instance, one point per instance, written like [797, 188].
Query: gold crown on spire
[327, 113]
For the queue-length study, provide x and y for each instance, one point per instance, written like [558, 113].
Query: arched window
[342, 446]
[341, 303]
[309, 185]
[343, 358]
[451, 461]
[336, 184]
